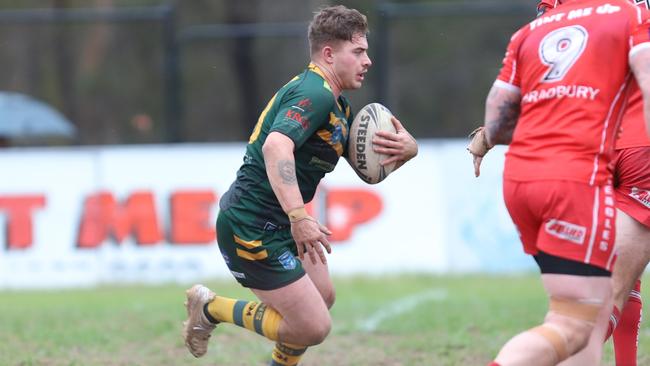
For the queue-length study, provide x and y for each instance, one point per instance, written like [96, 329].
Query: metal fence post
[382, 46]
[171, 71]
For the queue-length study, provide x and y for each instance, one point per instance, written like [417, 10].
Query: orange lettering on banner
[190, 217]
[103, 216]
[346, 209]
[19, 219]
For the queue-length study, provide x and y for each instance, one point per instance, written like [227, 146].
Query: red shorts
[632, 182]
[566, 219]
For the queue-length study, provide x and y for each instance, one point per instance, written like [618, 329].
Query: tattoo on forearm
[503, 126]
[287, 170]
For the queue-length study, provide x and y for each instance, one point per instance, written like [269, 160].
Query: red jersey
[571, 67]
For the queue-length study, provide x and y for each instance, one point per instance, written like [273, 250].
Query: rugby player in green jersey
[262, 224]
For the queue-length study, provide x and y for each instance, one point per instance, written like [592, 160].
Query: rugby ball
[363, 159]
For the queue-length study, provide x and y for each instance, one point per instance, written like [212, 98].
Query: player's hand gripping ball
[364, 160]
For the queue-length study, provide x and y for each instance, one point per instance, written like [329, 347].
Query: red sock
[613, 322]
[626, 334]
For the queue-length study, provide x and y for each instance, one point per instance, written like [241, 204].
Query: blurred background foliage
[112, 79]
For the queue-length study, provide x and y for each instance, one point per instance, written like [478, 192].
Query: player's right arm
[639, 60]
[280, 164]
[301, 114]
[281, 170]
[640, 63]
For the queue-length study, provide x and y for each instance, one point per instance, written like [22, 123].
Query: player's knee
[574, 321]
[316, 332]
[565, 337]
[577, 333]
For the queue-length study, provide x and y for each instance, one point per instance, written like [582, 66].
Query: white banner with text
[86, 216]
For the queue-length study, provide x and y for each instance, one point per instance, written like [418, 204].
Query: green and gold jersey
[304, 110]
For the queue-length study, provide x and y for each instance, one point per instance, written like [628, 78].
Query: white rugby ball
[363, 159]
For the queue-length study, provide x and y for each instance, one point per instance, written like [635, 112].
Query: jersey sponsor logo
[575, 14]
[559, 92]
[295, 114]
[305, 104]
[566, 230]
[641, 195]
[608, 9]
[238, 274]
[287, 260]
[546, 20]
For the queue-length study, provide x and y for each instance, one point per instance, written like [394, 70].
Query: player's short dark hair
[335, 23]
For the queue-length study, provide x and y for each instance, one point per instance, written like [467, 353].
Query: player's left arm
[502, 109]
[399, 145]
[502, 105]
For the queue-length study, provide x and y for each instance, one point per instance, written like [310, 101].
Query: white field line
[400, 306]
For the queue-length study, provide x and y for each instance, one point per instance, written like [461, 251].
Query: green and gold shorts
[258, 258]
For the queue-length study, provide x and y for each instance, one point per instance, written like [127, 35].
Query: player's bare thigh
[632, 178]
[633, 248]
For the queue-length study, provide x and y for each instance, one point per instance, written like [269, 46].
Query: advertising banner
[146, 214]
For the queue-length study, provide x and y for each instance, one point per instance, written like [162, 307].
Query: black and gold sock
[285, 354]
[251, 315]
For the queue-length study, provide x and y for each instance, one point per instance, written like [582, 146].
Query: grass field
[397, 320]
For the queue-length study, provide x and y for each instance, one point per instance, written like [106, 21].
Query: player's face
[351, 62]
